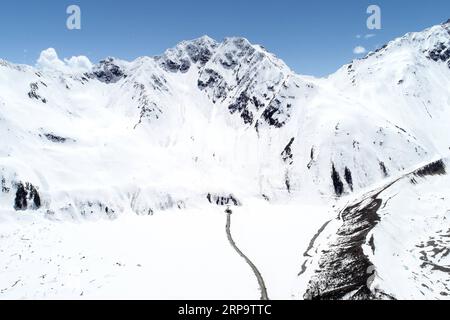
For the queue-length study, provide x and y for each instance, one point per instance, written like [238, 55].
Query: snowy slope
[388, 243]
[211, 123]
[413, 261]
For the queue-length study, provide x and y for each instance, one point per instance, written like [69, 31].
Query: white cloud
[49, 59]
[370, 35]
[366, 36]
[359, 50]
[80, 63]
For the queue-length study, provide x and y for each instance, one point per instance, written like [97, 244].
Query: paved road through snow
[262, 285]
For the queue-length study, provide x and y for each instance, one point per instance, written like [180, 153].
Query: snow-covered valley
[175, 255]
[116, 177]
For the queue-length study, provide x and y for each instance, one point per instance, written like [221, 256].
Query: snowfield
[174, 255]
[120, 179]
[170, 256]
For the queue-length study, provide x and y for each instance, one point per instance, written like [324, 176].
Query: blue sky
[312, 37]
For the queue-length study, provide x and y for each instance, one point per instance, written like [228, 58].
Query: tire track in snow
[262, 285]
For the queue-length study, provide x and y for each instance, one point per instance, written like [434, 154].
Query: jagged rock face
[275, 115]
[237, 49]
[441, 53]
[109, 72]
[188, 53]
[247, 79]
[241, 106]
[214, 82]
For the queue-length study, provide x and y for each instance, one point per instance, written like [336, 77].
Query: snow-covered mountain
[211, 123]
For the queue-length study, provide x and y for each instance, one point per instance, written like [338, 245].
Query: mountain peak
[186, 53]
[242, 44]
[201, 42]
[109, 70]
[237, 40]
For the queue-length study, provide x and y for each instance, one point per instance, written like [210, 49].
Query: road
[262, 285]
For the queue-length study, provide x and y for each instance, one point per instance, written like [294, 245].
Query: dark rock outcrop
[188, 53]
[337, 182]
[215, 83]
[349, 178]
[4, 187]
[223, 200]
[27, 197]
[435, 168]
[440, 53]
[384, 169]
[108, 72]
[241, 105]
[33, 94]
[54, 138]
[90, 208]
[148, 108]
[277, 113]
[287, 155]
[344, 269]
